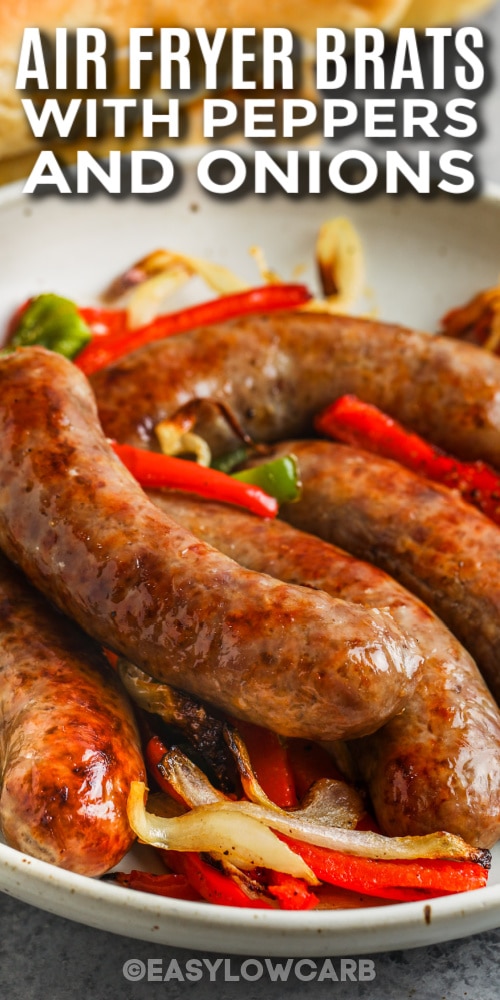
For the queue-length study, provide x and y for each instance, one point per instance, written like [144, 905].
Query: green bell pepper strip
[226, 463]
[279, 478]
[154, 471]
[53, 322]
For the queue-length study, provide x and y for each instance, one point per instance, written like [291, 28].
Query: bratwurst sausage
[436, 765]
[69, 747]
[88, 537]
[277, 371]
[439, 547]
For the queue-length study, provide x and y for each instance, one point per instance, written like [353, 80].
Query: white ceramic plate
[422, 258]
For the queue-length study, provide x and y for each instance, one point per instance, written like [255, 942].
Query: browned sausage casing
[439, 547]
[437, 764]
[277, 371]
[88, 537]
[69, 744]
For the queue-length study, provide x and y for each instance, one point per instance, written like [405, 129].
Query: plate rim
[320, 931]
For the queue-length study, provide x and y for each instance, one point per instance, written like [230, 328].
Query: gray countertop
[44, 956]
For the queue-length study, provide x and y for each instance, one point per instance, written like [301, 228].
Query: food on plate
[286, 657]
[50, 321]
[426, 768]
[438, 546]
[69, 746]
[329, 828]
[99, 336]
[477, 321]
[263, 622]
[363, 425]
[153, 470]
[276, 372]
[316, 841]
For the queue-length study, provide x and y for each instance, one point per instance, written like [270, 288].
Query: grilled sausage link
[277, 371]
[439, 547]
[88, 537]
[69, 747]
[436, 765]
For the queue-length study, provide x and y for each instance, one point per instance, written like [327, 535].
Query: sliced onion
[175, 707]
[331, 305]
[364, 844]
[253, 889]
[339, 255]
[174, 440]
[332, 803]
[147, 267]
[151, 280]
[146, 299]
[189, 781]
[155, 277]
[326, 820]
[219, 829]
[492, 342]
[251, 787]
[153, 696]
[219, 279]
[267, 275]
[162, 804]
[328, 803]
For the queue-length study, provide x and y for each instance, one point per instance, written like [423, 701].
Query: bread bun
[112, 15]
[425, 13]
[300, 16]
[117, 16]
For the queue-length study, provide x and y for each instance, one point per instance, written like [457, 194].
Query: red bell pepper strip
[365, 426]
[217, 887]
[213, 885]
[104, 322]
[399, 881]
[154, 471]
[155, 751]
[102, 352]
[292, 893]
[174, 886]
[111, 657]
[390, 879]
[269, 759]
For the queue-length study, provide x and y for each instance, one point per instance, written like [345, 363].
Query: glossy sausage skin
[277, 371]
[69, 744]
[87, 536]
[440, 548]
[437, 764]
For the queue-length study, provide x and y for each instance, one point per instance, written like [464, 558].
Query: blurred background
[18, 148]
